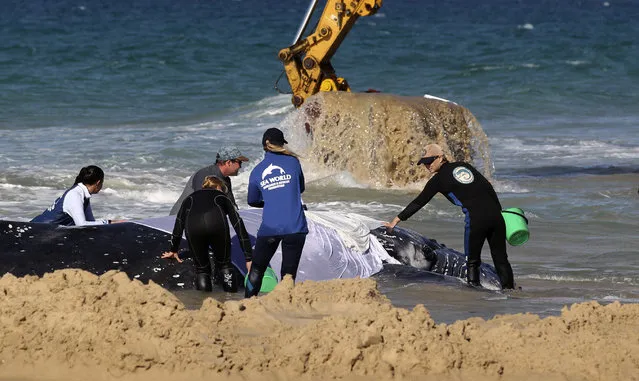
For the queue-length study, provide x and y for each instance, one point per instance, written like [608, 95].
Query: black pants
[493, 229]
[209, 231]
[265, 248]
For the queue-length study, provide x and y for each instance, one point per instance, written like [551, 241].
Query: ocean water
[149, 90]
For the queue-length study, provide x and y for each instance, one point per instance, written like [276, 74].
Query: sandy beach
[73, 324]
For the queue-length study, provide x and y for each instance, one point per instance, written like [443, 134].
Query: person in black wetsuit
[203, 216]
[464, 186]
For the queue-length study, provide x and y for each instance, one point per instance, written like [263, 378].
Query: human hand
[171, 254]
[248, 266]
[391, 225]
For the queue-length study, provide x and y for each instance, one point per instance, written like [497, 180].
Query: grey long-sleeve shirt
[195, 183]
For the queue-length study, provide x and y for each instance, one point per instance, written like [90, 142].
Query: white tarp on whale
[337, 245]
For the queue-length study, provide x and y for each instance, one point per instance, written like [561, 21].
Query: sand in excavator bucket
[379, 138]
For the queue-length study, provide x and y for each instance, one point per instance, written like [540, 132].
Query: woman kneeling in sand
[203, 216]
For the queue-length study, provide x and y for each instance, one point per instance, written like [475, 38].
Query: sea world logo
[270, 169]
[274, 177]
[463, 175]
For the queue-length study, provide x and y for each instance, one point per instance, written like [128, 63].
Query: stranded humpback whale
[336, 247]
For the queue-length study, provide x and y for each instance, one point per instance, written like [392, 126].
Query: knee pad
[228, 279]
[254, 282]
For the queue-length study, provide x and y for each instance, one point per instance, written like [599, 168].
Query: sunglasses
[427, 160]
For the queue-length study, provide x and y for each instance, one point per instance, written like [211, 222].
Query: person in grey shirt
[228, 162]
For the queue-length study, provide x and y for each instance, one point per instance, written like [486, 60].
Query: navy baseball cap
[427, 160]
[275, 136]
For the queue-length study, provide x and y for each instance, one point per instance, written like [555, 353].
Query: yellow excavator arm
[307, 62]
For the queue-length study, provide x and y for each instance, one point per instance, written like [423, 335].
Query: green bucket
[516, 226]
[268, 282]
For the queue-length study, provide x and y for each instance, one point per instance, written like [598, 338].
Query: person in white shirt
[74, 206]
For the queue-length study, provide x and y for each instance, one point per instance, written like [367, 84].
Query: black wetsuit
[203, 216]
[464, 186]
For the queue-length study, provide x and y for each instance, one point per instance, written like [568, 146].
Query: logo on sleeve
[463, 175]
[274, 177]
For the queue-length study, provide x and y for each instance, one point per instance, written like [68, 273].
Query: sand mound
[378, 138]
[74, 324]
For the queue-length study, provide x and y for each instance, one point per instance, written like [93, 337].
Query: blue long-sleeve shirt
[277, 184]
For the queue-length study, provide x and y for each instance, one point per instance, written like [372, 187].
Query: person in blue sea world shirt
[74, 206]
[276, 184]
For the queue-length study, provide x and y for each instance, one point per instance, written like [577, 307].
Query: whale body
[336, 247]
[415, 250]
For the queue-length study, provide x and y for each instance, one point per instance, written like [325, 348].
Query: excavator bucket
[307, 61]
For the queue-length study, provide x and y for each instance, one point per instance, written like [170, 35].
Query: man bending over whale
[464, 186]
[228, 162]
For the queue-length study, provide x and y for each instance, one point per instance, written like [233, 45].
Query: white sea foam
[506, 186]
[613, 279]
[577, 62]
[157, 196]
[19, 186]
[270, 106]
[372, 208]
[558, 151]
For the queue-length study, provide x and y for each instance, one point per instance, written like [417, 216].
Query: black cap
[275, 136]
[427, 160]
